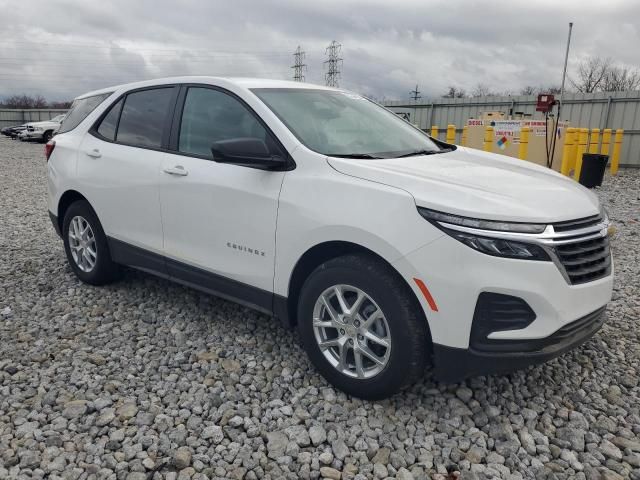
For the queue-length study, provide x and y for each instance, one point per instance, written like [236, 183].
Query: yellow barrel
[488, 138]
[617, 146]
[606, 141]
[434, 131]
[582, 148]
[594, 140]
[523, 150]
[574, 149]
[465, 133]
[567, 151]
[451, 134]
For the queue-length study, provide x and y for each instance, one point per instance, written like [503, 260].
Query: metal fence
[11, 117]
[584, 110]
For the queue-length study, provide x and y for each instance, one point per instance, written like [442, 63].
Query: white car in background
[386, 248]
[43, 131]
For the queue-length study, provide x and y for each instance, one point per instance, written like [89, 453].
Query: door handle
[177, 170]
[95, 153]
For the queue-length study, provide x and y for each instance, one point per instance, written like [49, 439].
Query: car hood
[478, 184]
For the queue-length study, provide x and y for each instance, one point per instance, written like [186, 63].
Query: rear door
[119, 166]
[219, 219]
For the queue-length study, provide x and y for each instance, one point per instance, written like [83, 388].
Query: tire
[48, 135]
[102, 270]
[402, 326]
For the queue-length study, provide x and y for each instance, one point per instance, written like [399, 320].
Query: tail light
[48, 148]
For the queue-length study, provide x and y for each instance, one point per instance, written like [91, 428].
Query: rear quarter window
[80, 109]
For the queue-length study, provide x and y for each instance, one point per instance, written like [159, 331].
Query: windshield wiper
[353, 155]
[423, 152]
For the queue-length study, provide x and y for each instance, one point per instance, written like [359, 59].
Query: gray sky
[62, 48]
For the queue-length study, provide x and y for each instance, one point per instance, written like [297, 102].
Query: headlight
[499, 247]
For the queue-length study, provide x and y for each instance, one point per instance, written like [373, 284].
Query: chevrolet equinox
[387, 249]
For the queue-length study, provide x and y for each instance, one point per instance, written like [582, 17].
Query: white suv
[388, 249]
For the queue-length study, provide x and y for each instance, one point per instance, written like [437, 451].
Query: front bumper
[455, 364]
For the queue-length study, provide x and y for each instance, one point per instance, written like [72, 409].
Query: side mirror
[248, 151]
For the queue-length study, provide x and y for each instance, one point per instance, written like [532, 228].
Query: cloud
[63, 48]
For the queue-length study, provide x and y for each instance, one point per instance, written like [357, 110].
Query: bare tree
[24, 101]
[591, 74]
[482, 90]
[620, 79]
[61, 105]
[454, 92]
[529, 90]
[532, 90]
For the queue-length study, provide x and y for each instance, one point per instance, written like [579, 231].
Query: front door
[219, 219]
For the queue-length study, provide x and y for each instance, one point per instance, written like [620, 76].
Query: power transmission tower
[415, 94]
[333, 64]
[299, 67]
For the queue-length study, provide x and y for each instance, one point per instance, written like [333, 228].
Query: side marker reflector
[427, 294]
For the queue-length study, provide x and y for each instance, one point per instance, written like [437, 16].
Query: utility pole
[415, 94]
[333, 64]
[299, 67]
[564, 70]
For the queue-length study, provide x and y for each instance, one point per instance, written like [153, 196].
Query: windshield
[57, 118]
[344, 124]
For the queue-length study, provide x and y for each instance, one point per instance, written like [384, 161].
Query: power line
[299, 66]
[333, 64]
[415, 94]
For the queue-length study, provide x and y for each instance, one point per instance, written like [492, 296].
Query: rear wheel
[362, 327]
[85, 244]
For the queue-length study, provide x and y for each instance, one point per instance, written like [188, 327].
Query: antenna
[333, 63]
[415, 94]
[299, 67]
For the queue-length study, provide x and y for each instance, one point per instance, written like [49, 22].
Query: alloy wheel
[351, 331]
[82, 244]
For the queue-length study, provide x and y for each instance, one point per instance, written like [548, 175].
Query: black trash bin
[593, 167]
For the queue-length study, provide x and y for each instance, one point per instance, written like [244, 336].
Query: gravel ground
[146, 379]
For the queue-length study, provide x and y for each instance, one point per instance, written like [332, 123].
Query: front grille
[586, 260]
[577, 224]
[30, 129]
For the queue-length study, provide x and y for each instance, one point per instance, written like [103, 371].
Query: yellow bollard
[606, 141]
[582, 148]
[594, 140]
[567, 151]
[434, 131]
[488, 138]
[617, 146]
[523, 150]
[465, 132]
[451, 134]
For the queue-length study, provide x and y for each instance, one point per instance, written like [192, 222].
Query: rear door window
[80, 109]
[144, 116]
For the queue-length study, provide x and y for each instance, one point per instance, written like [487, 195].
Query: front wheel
[362, 327]
[48, 135]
